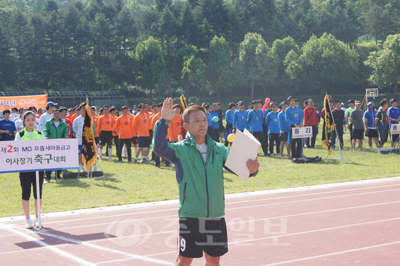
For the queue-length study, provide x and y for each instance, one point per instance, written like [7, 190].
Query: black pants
[228, 131]
[313, 138]
[115, 138]
[211, 132]
[121, 143]
[274, 137]
[216, 132]
[265, 131]
[296, 145]
[48, 174]
[261, 139]
[27, 180]
[339, 129]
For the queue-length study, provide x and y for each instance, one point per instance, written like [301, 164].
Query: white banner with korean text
[38, 155]
[301, 132]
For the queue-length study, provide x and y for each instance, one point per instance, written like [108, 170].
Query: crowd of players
[269, 122]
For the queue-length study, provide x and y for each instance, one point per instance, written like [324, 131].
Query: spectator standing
[311, 119]
[393, 115]
[381, 124]
[273, 126]
[50, 106]
[356, 119]
[370, 128]
[338, 117]
[7, 127]
[255, 120]
[284, 128]
[295, 117]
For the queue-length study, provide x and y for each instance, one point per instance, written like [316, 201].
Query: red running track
[352, 223]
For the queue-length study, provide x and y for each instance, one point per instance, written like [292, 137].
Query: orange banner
[39, 101]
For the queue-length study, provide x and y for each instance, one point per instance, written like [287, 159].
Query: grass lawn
[128, 183]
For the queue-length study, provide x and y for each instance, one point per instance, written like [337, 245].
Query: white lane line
[51, 248]
[315, 231]
[227, 209]
[254, 220]
[293, 234]
[335, 253]
[156, 254]
[130, 255]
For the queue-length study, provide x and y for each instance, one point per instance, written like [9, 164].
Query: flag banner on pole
[89, 153]
[183, 102]
[328, 126]
[39, 101]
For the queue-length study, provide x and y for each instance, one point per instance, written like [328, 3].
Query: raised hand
[167, 112]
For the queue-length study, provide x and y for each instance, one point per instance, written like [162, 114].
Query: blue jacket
[240, 120]
[214, 125]
[294, 116]
[272, 122]
[283, 124]
[256, 120]
[209, 120]
[229, 116]
[370, 116]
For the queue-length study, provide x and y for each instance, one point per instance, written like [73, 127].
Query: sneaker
[95, 168]
[46, 181]
[144, 160]
[372, 149]
[282, 157]
[158, 166]
[36, 223]
[272, 154]
[58, 179]
[130, 161]
[124, 157]
[109, 158]
[28, 224]
[134, 161]
[278, 154]
[120, 161]
[101, 159]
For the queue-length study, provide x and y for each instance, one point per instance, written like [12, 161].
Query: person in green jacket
[55, 128]
[28, 179]
[199, 164]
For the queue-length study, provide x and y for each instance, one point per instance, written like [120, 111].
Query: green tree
[188, 26]
[219, 70]
[8, 64]
[152, 66]
[322, 60]
[193, 74]
[377, 21]
[125, 28]
[385, 64]
[255, 63]
[279, 51]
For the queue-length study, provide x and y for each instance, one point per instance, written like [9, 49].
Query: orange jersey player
[141, 125]
[174, 130]
[105, 124]
[123, 126]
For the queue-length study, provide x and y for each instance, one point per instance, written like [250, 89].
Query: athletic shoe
[130, 161]
[58, 179]
[95, 168]
[101, 159]
[120, 161]
[144, 160]
[282, 157]
[135, 161]
[158, 166]
[109, 158]
[46, 181]
[272, 154]
[372, 149]
[124, 157]
[28, 224]
[36, 223]
[278, 154]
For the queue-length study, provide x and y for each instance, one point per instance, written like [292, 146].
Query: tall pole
[38, 199]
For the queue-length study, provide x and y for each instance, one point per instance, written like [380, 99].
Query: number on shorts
[183, 244]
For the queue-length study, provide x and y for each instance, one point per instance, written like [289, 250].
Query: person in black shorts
[106, 125]
[356, 119]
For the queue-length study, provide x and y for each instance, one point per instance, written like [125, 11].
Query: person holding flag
[89, 151]
[328, 127]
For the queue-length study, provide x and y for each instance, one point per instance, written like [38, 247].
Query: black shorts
[358, 133]
[284, 136]
[144, 142]
[198, 235]
[97, 140]
[394, 137]
[106, 137]
[134, 140]
[372, 133]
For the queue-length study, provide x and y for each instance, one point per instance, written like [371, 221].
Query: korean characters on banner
[38, 155]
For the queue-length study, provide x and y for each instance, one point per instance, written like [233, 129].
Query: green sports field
[127, 183]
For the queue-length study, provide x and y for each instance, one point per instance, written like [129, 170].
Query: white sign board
[38, 155]
[301, 132]
[395, 129]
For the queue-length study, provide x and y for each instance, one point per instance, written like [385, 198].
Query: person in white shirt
[14, 113]
[77, 127]
[50, 106]
[18, 121]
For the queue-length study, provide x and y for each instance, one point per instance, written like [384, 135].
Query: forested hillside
[199, 47]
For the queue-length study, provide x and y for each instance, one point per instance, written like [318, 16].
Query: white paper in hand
[244, 147]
